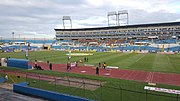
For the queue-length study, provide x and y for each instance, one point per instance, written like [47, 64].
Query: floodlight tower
[123, 17]
[111, 14]
[67, 18]
[1, 38]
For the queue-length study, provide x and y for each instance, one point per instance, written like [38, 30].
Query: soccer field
[132, 61]
[133, 90]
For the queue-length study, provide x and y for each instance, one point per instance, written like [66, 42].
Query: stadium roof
[127, 26]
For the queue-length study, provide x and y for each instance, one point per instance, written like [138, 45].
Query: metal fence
[92, 89]
[1, 75]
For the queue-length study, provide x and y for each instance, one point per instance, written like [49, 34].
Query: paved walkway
[8, 95]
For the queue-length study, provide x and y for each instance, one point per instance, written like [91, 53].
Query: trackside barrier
[19, 63]
[2, 80]
[25, 89]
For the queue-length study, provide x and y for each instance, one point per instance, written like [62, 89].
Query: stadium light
[1, 38]
[13, 36]
[113, 13]
[123, 16]
[67, 18]
[123, 12]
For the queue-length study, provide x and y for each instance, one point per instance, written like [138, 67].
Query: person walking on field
[68, 58]
[99, 64]
[26, 55]
[87, 59]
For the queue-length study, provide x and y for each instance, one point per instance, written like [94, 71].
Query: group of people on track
[75, 64]
[38, 67]
[103, 65]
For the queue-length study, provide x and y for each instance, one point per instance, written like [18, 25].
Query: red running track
[137, 75]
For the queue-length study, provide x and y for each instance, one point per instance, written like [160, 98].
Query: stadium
[144, 37]
[116, 63]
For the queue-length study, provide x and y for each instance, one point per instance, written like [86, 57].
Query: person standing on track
[35, 64]
[104, 65]
[76, 62]
[50, 66]
[97, 70]
[68, 66]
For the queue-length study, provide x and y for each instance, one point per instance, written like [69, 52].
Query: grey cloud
[42, 16]
[142, 17]
[71, 2]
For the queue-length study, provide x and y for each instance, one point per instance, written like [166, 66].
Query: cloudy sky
[38, 18]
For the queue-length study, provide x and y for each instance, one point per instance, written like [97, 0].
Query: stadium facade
[140, 32]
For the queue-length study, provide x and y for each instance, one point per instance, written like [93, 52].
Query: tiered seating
[128, 45]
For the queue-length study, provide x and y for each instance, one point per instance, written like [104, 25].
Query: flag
[162, 48]
[69, 49]
[87, 49]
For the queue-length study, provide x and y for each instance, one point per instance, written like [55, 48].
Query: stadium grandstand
[149, 37]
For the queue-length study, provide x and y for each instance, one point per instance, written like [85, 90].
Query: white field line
[139, 59]
[152, 76]
[177, 55]
[149, 77]
[128, 76]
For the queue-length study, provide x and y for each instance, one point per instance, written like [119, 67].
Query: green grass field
[132, 61]
[111, 89]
